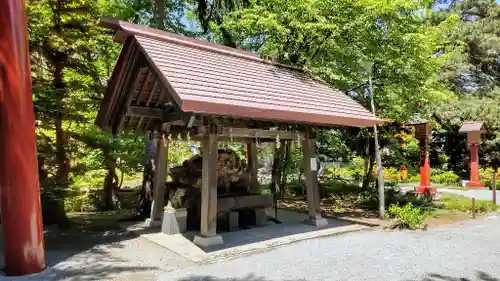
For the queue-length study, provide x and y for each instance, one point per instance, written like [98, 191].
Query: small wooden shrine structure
[474, 129]
[194, 89]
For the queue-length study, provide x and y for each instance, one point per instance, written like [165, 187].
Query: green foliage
[444, 177]
[336, 46]
[464, 204]
[407, 216]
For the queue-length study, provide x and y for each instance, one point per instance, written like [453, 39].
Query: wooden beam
[208, 223]
[310, 170]
[160, 178]
[254, 133]
[145, 111]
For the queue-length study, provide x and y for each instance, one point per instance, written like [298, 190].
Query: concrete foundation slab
[253, 240]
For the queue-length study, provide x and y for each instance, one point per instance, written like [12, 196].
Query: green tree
[336, 46]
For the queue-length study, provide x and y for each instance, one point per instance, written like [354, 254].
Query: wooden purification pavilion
[194, 89]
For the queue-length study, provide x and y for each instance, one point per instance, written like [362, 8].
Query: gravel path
[469, 251]
[477, 193]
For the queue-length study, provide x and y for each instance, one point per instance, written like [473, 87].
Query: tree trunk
[146, 191]
[159, 12]
[110, 184]
[367, 178]
[63, 165]
[284, 167]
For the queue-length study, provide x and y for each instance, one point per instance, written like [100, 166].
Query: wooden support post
[159, 181]
[310, 170]
[473, 207]
[494, 185]
[475, 180]
[252, 166]
[208, 225]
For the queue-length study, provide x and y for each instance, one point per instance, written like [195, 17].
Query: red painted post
[425, 168]
[475, 180]
[20, 192]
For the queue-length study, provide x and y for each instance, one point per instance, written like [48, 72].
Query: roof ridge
[144, 31]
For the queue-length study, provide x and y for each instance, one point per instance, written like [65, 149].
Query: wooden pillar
[160, 178]
[20, 193]
[473, 140]
[310, 170]
[252, 166]
[208, 224]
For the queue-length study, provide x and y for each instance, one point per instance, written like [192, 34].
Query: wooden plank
[311, 177]
[254, 133]
[151, 94]
[208, 223]
[160, 178]
[145, 111]
[252, 166]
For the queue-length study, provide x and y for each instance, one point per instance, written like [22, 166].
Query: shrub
[444, 177]
[486, 176]
[407, 216]
[415, 178]
[391, 174]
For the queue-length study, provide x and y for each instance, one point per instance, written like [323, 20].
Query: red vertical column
[20, 193]
[425, 169]
[475, 181]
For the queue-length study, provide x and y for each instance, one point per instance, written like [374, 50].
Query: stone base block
[260, 216]
[426, 190]
[233, 221]
[316, 222]
[174, 221]
[152, 223]
[207, 241]
[475, 184]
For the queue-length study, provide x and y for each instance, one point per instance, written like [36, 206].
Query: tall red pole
[425, 166]
[20, 192]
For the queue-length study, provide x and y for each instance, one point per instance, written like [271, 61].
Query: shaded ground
[97, 249]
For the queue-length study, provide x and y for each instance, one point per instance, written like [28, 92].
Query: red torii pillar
[422, 132]
[20, 192]
[474, 130]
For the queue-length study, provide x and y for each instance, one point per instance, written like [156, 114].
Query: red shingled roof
[472, 126]
[209, 78]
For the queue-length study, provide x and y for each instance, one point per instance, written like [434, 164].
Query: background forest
[437, 61]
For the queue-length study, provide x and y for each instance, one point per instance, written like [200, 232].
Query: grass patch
[459, 203]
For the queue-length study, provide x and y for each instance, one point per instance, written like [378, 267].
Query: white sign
[314, 164]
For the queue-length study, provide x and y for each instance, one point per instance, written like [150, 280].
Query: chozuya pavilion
[175, 85]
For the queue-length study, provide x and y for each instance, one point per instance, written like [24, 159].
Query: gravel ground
[460, 252]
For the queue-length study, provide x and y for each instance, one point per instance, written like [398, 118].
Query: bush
[91, 201]
[394, 196]
[391, 174]
[464, 204]
[337, 187]
[415, 178]
[407, 216]
[486, 176]
[444, 177]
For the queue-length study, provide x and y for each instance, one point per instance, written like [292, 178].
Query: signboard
[314, 164]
